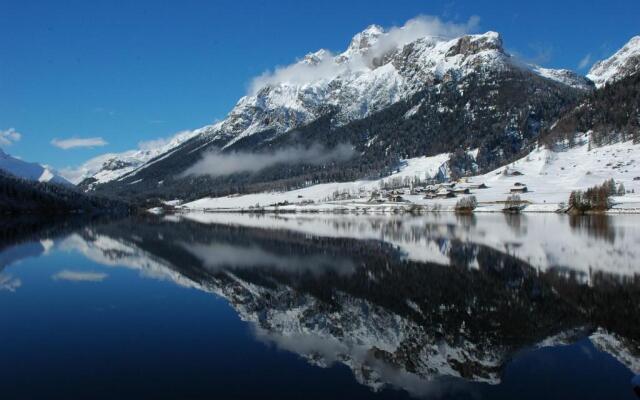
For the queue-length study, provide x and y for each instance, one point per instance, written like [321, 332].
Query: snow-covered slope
[623, 63]
[322, 193]
[564, 76]
[28, 170]
[108, 167]
[550, 176]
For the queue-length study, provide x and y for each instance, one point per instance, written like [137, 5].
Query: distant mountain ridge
[111, 166]
[612, 112]
[624, 63]
[29, 171]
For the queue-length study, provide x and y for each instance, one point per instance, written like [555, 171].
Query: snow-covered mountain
[623, 63]
[29, 171]
[609, 114]
[367, 77]
[378, 69]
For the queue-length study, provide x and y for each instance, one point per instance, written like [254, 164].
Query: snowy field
[549, 176]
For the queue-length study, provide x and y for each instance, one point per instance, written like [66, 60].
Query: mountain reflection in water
[422, 304]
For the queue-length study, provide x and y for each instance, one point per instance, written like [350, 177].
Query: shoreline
[406, 209]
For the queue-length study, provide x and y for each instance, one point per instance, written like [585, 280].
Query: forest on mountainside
[611, 113]
[21, 196]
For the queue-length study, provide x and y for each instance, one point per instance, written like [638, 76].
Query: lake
[197, 306]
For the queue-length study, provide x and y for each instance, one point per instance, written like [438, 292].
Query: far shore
[391, 209]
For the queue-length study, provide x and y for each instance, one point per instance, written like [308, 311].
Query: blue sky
[131, 71]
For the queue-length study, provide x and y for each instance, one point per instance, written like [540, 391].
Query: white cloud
[585, 62]
[79, 276]
[9, 136]
[422, 26]
[299, 73]
[9, 283]
[395, 37]
[73, 143]
[216, 164]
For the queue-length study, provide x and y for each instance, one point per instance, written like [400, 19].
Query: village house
[519, 188]
[461, 190]
[445, 193]
[511, 172]
[473, 186]
[430, 196]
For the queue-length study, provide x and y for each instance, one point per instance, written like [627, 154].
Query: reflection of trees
[14, 230]
[515, 222]
[608, 302]
[466, 221]
[598, 226]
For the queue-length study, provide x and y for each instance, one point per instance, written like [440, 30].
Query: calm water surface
[205, 306]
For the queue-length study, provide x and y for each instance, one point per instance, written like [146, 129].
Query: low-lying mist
[221, 164]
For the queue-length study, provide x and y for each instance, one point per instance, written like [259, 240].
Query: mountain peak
[495, 38]
[490, 37]
[316, 57]
[623, 63]
[363, 41]
[470, 44]
[564, 76]
[372, 31]
[30, 171]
